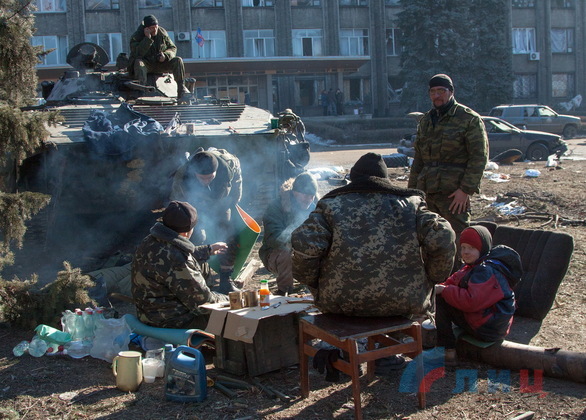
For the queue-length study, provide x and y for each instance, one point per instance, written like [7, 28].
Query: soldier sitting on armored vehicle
[152, 51]
[212, 180]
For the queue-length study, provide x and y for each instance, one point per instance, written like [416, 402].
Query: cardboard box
[254, 341]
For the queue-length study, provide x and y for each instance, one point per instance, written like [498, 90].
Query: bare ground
[65, 388]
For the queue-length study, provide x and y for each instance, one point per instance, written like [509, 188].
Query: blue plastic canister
[185, 372]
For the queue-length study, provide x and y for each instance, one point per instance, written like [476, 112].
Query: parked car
[538, 117]
[535, 145]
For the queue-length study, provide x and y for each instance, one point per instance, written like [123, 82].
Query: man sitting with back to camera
[169, 272]
[152, 51]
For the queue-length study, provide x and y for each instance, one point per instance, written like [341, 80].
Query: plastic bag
[111, 337]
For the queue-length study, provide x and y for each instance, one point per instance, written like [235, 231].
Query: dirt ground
[64, 388]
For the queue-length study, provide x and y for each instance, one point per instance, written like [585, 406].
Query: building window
[523, 40]
[562, 4]
[525, 86]
[257, 3]
[523, 4]
[51, 42]
[102, 4]
[353, 2]
[47, 6]
[393, 46]
[143, 4]
[562, 40]
[562, 85]
[214, 44]
[392, 2]
[354, 42]
[111, 43]
[307, 42]
[305, 3]
[259, 43]
[207, 3]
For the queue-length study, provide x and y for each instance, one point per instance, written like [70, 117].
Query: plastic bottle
[263, 294]
[77, 349]
[185, 371]
[78, 326]
[37, 347]
[89, 324]
[68, 322]
[21, 348]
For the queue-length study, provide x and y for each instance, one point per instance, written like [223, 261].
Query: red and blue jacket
[482, 291]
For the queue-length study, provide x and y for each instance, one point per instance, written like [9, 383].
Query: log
[245, 275]
[553, 362]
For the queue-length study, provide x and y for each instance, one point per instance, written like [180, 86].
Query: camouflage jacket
[450, 155]
[372, 253]
[282, 216]
[167, 284]
[223, 193]
[149, 48]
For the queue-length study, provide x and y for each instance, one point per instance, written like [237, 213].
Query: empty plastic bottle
[37, 347]
[21, 348]
[68, 322]
[89, 324]
[77, 349]
[79, 326]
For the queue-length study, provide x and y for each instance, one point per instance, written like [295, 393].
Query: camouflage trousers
[175, 66]
[279, 263]
[440, 203]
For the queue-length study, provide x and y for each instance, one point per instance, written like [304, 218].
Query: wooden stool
[344, 331]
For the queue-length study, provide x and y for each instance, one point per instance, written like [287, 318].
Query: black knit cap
[150, 20]
[441, 80]
[204, 163]
[370, 164]
[180, 216]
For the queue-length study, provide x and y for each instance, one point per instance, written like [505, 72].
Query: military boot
[226, 283]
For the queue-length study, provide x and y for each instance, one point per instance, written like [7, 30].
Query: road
[346, 156]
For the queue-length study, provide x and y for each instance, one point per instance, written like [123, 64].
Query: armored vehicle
[112, 160]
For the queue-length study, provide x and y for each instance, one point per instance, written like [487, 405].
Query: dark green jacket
[149, 48]
[167, 283]
[282, 216]
[450, 155]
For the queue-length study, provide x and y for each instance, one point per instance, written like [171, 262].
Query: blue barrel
[185, 371]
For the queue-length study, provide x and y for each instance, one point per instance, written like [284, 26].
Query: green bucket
[247, 231]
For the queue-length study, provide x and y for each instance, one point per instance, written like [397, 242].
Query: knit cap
[150, 20]
[305, 183]
[370, 164]
[441, 80]
[180, 216]
[477, 236]
[204, 163]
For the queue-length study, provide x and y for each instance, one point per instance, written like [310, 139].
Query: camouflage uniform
[167, 281]
[147, 49]
[372, 253]
[280, 219]
[214, 203]
[450, 155]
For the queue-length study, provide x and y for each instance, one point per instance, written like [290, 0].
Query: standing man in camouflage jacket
[451, 151]
[371, 248]
[168, 272]
[212, 181]
[152, 51]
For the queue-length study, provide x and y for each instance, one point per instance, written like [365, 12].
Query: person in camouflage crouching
[451, 151]
[371, 248]
[297, 198]
[168, 280]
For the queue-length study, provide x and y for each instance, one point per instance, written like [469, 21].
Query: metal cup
[235, 300]
[250, 298]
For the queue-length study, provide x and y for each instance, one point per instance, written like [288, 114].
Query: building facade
[279, 54]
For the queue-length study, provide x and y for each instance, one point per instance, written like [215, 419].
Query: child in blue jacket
[479, 297]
